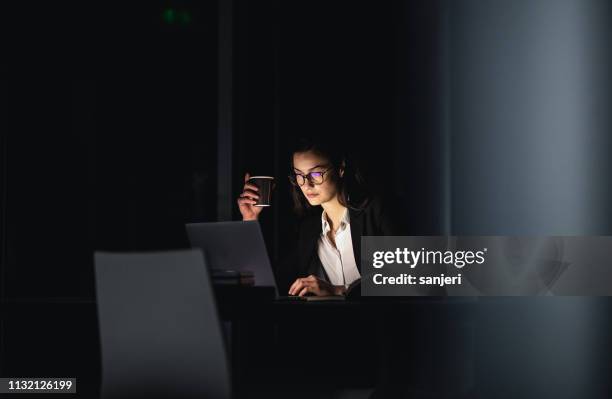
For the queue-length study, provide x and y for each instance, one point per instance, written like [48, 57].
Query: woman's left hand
[314, 285]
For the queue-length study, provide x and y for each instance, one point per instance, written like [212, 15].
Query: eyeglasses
[313, 177]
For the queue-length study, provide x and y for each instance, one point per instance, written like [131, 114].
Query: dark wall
[111, 138]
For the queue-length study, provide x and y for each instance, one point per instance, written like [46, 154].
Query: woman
[335, 210]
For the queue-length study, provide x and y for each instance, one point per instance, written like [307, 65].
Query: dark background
[110, 133]
[112, 119]
[111, 136]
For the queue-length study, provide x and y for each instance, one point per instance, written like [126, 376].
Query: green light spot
[169, 15]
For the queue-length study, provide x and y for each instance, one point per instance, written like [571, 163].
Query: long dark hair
[352, 188]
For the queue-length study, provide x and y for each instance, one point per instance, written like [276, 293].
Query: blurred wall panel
[528, 128]
[529, 117]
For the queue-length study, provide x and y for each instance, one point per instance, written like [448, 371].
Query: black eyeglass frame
[293, 178]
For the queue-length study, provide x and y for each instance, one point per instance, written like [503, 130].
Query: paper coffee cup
[264, 184]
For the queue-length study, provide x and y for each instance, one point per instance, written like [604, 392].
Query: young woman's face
[316, 194]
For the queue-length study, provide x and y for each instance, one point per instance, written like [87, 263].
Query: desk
[244, 302]
[497, 347]
[406, 344]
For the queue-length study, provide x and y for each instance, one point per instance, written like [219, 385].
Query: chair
[159, 329]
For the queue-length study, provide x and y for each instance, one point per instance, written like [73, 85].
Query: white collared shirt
[339, 260]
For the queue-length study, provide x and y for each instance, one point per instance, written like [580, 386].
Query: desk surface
[244, 302]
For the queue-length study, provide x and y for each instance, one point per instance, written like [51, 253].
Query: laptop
[238, 246]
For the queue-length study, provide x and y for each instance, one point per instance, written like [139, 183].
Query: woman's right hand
[248, 199]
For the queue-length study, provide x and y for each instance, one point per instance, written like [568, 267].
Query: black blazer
[379, 218]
